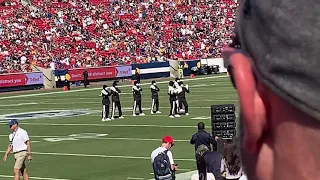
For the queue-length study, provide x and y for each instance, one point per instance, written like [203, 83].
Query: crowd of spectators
[89, 33]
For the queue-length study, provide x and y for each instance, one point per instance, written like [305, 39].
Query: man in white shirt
[167, 144]
[20, 145]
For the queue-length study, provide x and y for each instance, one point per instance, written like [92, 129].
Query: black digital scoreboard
[223, 121]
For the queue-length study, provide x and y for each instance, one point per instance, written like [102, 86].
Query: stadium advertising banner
[124, 71]
[21, 79]
[94, 73]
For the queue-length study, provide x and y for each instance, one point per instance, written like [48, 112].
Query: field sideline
[69, 141]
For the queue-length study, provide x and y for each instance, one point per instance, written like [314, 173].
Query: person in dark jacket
[136, 91]
[209, 163]
[202, 138]
[105, 93]
[155, 97]
[115, 91]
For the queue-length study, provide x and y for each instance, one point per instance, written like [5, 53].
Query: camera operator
[210, 164]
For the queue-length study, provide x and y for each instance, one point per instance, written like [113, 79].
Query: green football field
[70, 142]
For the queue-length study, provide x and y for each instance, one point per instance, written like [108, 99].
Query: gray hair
[202, 149]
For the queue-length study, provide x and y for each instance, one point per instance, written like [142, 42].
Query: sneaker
[134, 114]
[171, 116]
[103, 119]
[158, 112]
[152, 112]
[177, 115]
[187, 114]
[112, 118]
[142, 114]
[121, 117]
[108, 119]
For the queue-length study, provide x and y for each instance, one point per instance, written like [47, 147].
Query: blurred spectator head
[277, 79]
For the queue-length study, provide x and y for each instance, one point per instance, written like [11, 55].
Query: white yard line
[105, 125]
[128, 108]
[183, 176]
[134, 178]
[81, 90]
[104, 138]
[41, 178]
[99, 156]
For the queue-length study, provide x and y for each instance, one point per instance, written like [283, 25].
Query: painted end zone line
[80, 90]
[5, 176]
[98, 155]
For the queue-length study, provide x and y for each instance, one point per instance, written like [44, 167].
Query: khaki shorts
[20, 158]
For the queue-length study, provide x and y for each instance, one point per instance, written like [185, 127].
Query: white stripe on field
[183, 176]
[6, 176]
[134, 178]
[102, 138]
[81, 90]
[105, 125]
[100, 156]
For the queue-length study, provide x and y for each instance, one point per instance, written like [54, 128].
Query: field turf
[83, 147]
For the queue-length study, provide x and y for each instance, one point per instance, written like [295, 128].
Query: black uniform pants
[138, 78]
[85, 82]
[137, 103]
[174, 107]
[105, 111]
[183, 102]
[201, 166]
[114, 106]
[67, 84]
[155, 102]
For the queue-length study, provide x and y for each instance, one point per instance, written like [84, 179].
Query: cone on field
[192, 76]
[65, 88]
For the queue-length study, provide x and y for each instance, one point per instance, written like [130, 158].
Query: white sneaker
[103, 119]
[152, 112]
[112, 118]
[142, 114]
[187, 114]
[108, 119]
[134, 114]
[171, 116]
[158, 112]
[177, 115]
[121, 117]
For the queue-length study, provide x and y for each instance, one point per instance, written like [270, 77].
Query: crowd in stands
[89, 33]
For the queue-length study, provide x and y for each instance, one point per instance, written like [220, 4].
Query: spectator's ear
[253, 110]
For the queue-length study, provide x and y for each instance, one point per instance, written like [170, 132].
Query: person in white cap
[21, 147]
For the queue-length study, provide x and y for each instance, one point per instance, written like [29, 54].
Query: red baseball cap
[167, 139]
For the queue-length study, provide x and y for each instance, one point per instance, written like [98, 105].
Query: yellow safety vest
[198, 65]
[68, 77]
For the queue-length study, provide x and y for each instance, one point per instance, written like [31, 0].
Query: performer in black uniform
[136, 91]
[172, 99]
[182, 98]
[105, 93]
[115, 91]
[85, 76]
[155, 97]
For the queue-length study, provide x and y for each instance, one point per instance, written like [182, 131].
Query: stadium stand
[89, 33]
